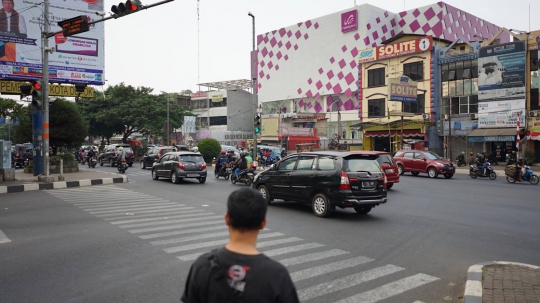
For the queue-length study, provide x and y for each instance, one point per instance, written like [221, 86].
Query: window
[418, 156]
[385, 159]
[288, 164]
[326, 164]
[220, 120]
[415, 107]
[190, 158]
[452, 75]
[376, 108]
[360, 164]
[464, 105]
[408, 155]
[305, 163]
[219, 103]
[414, 70]
[376, 77]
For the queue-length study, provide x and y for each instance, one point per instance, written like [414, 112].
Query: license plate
[250, 174]
[390, 170]
[451, 168]
[368, 184]
[192, 175]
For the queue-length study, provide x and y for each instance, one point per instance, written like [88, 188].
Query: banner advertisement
[76, 59]
[198, 95]
[367, 55]
[533, 131]
[397, 49]
[402, 89]
[296, 131]
[189, 125]
[217, 98]
[502, 72]
[501, 119]
[503, 107]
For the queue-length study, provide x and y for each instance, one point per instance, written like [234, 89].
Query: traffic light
[26, 90]
[257, 123]
[37, 94]
[130, 6]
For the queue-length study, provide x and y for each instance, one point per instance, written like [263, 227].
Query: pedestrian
[238, 272]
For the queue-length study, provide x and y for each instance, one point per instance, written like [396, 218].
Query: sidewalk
[502, 282]
[85, 177]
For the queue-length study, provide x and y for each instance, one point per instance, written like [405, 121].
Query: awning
[406, 133]
[492, 132]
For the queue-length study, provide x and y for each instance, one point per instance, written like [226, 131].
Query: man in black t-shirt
[238, 272]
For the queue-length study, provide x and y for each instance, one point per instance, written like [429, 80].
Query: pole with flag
[517, 132]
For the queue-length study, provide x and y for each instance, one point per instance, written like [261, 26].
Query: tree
[209, 148]
[67, 128]
[10, 108]
[90, 109]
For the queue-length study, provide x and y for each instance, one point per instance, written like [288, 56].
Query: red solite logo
[349, 21]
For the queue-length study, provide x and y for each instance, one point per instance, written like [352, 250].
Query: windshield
[127, 149]
[359, 164]
[191, 158]
[385, 159]
[432, 156]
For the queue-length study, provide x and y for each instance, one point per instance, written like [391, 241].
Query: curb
[60, 184]
[473, 287]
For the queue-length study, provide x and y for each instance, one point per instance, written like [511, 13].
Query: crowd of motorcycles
[92, 161]
[246, 175]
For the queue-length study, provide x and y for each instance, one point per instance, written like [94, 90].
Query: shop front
[497, 142]
[387, 136]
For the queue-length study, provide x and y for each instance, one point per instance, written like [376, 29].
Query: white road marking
[328, 268]
[312, 257]
[182, 232]
[139, 204]
[277, 242]
[185, 218]
[391, 289]
[128, 209]
[158, 218]
[99, 201]
[144, 230]
[145, 213]
[190, 238]
[3, 237]
[212, 243]
[346, 282]
[290, 249]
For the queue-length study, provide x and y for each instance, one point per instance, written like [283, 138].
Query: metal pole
[45, 88]
[401, 139]
[168, 124]
[449, 142]
[253, 81]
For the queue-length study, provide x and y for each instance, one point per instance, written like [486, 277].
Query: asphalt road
[134, 242]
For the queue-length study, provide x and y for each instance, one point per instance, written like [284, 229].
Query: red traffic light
[130, 6]
[36, 85]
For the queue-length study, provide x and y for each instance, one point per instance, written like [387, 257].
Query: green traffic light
[257, 130]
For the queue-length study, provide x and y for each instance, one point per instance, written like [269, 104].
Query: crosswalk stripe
[144, 230]
[290, 249]
[102, 188]
[390, 289]
[122, 206]
[312, 257]
[417, 302]
[146, 213]
[164, 217]
[278, 242]
[186, 218]
[102, 194]
[105, 200]
[212, 243]
[190, 238]
[128, 209]
[3, 237]
[118, 202]
[328, 268]
[182, 232]
[346, 282]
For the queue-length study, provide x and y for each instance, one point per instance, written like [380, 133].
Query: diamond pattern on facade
[342, 63]
[340, 75]
[330, 75]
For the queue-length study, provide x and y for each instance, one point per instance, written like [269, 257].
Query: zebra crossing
[187, 232]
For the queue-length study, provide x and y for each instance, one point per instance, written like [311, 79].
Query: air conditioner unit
[533, 114]
[426, 117]
[473, 116]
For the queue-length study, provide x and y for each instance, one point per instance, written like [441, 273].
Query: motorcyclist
[221, 161]
[471, 158]
[283, 152]
[195, 150]
[480, 161]
[519, 168]
[241, 164]
[28, 154]
[461, 157]
[121, 155]
[231, 155]
[511, 158]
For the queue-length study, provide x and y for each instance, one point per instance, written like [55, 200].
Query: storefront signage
[296, 131]
[457, 59]
[14, 88]
[398, 49]
[309, 118]
[289, 115]
[398, 113]
[238, 136]
[499, 120]
[217, 98]
[492, 139]
[402, 89]
[501, 106]
[502, 72]
[533, 131]
[198, 95]
[349, 21]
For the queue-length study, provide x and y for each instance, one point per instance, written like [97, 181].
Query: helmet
[223, 152]
[230, 150]
[120, 148]
[463, 152]
[521, 159]
[195, 149]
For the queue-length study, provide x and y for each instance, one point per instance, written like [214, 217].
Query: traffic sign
[74, 26]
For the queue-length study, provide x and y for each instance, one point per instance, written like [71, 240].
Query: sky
[172, 47]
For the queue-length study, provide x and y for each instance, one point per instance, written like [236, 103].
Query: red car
[388, 165]
[423, 161]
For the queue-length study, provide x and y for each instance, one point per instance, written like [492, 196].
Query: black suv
[155, 153]
[325, 180]
[110, 152]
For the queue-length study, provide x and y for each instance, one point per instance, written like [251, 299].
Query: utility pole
[45, 88]
[168, 124]
[449, 143]
[253, 81]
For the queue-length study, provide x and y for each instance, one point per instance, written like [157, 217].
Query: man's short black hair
[247, 209]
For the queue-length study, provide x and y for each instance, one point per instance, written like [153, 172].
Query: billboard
[501, 74]
[501, 119]
[349, 21]
[402, 89]
[78, 58]
[397, 49]
[189, 126]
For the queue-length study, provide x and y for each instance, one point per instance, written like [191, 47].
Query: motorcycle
[528, 176]
[245, 175]
[26, 161]
[460, 161]
[122, 167]
[488, 172]
[224, 171]
[92, 162]
[267, 161]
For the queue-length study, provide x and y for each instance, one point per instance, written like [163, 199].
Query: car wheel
[154, 174]
[362, 210]
[202, 180]
[174, 178]
[415, 173]
[534, 180]
[448, 176]
[400, 169]
[143, 166]
[265, 193]
[320, 206]
[100, 162]
[492, 175]
[432, 173]
[389, 185]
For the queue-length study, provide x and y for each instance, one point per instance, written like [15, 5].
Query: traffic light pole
[253, 84]
[45, 89]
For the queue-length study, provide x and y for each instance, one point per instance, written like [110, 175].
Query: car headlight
[439, 164]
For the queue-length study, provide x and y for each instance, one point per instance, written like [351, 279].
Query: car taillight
[181, 166]
[385, 182]
[123, 160]
[17, 154]
[131, 154]
[344, 185]
[159, 153]
[203, 166]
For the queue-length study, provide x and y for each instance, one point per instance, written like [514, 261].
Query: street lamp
[253, 80]
[336, 99]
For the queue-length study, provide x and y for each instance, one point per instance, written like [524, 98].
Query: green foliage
[209, 148]
[23, 131]
[529, 157]
[10, 108]
[67, 157]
